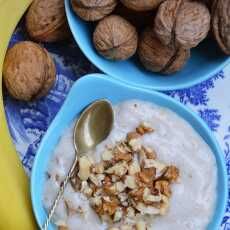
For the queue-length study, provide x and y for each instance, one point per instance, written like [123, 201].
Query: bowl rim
[93, 79]
[177, 86]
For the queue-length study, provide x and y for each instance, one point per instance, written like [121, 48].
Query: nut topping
[125, 183]
[84, 168]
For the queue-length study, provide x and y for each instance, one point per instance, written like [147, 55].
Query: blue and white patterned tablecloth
[28, 122]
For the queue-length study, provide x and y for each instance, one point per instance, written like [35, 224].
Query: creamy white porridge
[192, 199]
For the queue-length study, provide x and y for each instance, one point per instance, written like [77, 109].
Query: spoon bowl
[93, 126]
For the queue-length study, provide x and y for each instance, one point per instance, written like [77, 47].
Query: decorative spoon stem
[59, 195]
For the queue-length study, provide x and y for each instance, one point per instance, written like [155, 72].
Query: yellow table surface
[15, 206]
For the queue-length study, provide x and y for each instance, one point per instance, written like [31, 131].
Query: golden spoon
[92, 127]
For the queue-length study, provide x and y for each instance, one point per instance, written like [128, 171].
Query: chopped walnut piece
[141, 225]
[171, 174]
[71, 208]
[107, 155]
[97, 179]
[84, 168]
[130, 182]
[106, 218]
[164, 187]
[148, 197]
[118, 169]
[144, 177]
[115, 178]
[113, 228]
[96, 201]
[134, 168]
[144, 128]
[130, 212]
[75, 182]
[120, 186]
[133, 139]
[111, 190]
[155, 191]
[85, 189]
[150, 163]
[152, 198]
[123, 197]
[137, 194]
[123, 148]
[119, 156]
[126, 227]
[109, 207]
[107, 181]
[63, 228]
[150, 154]
[133, 135]
[164, 206]
[118, 215]
[98, 168]
[144, 209]
[149, 172]
[135, 144]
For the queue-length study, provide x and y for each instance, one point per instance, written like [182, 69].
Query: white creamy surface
[175, 142]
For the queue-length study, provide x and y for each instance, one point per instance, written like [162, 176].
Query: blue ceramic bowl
[207, 59]
[98, 86]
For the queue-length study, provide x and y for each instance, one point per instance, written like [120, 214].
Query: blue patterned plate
[28, 122]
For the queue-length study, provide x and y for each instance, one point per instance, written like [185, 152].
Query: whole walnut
[182, 22]
[93, 10]
[46, 21]
[221, 24]
[157, 57]
[115, 38]
[142, 5]
[140, 19]
[28, 71]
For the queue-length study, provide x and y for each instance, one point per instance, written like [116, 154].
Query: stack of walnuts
[168, 29]
[29, 71]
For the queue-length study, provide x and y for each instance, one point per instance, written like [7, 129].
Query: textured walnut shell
[93, 10]
[28, 71]
[140, 19]
[221, 24]
[115, 38]
[50, 77]
[157, 57]
[182, 22]
[208, 3]
[46, 21]
[142, 5]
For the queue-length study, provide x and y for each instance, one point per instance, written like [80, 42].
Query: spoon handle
[58, 197]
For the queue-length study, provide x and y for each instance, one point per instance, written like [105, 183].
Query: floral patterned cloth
[28, 122]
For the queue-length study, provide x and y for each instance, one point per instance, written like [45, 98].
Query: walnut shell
[157, 57]
[221, 24]
[208, 3]
[142, 5]
[46, 21]
[115, 38]
[140, 19]
[28, 71]
[50, 77]
[93, 10]
[182, 22]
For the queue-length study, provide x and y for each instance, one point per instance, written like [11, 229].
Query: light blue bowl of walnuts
[177, 50]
